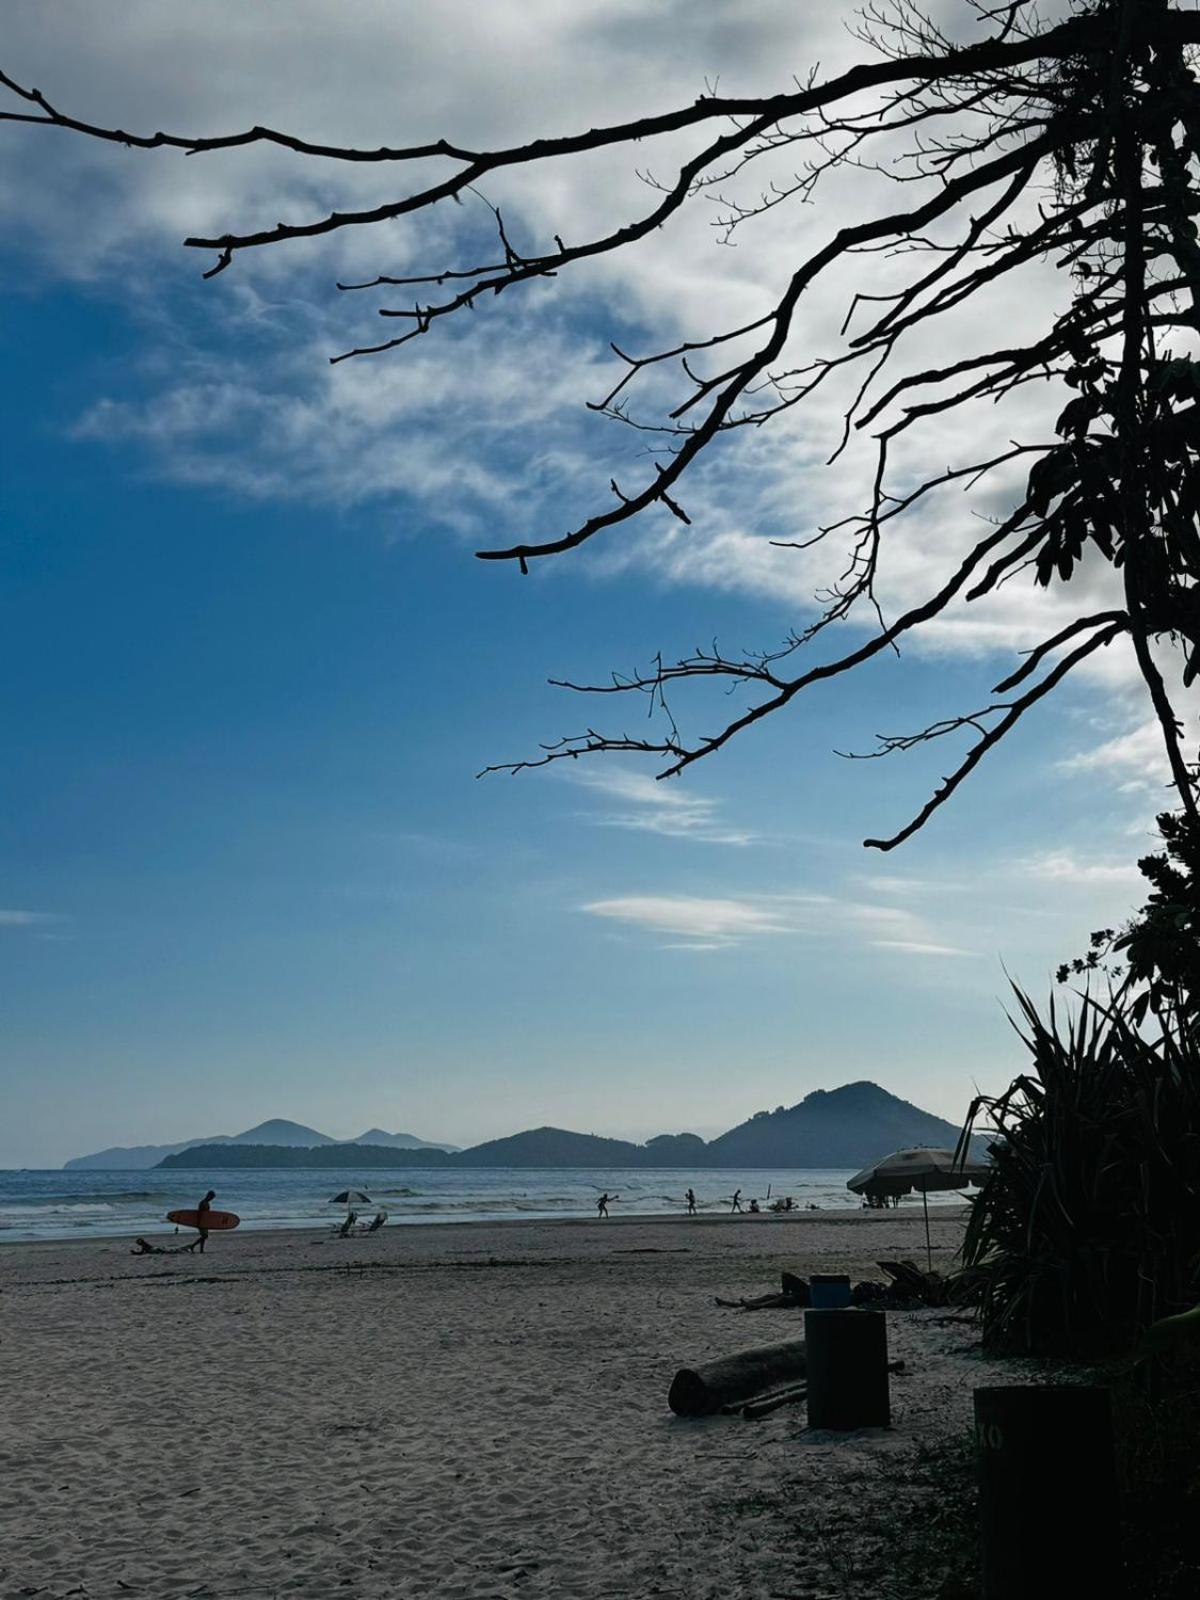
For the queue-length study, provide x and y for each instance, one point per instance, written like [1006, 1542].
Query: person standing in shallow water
[690, 1197]
[602, 1204]
[737, 1200]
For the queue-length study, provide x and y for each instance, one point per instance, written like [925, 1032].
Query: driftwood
[760, 1302]
[773, 1402]
[701, 1391]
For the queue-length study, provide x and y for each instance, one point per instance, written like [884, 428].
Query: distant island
[846, 1127]
[277, 1133]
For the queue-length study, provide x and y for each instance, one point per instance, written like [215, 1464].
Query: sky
[247, 868]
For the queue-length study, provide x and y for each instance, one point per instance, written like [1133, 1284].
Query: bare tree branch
[1078, 142]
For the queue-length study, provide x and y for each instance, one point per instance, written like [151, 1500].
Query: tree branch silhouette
[1074, 144]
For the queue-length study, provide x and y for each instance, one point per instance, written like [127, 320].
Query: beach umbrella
[925, 1169]
[352, 1199]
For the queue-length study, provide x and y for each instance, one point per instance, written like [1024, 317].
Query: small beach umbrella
[352, 1199]
[924, 1169]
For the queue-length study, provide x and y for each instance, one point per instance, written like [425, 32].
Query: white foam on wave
[60, 1208]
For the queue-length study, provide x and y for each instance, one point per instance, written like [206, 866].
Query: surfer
[202, 1210]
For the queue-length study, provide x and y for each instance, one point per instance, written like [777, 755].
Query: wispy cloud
[706, 923]
[896, 928]
[249, 404]
[1065, 867]
[1138, 754]
[882, 883]
[694, 922]
[25, 919]
[698, 944]
[915, 947]
[651, 806]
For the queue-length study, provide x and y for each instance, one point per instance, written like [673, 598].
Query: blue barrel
[830, 1291]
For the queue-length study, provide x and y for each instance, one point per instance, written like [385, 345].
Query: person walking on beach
[602, 1204]
[203, 1209]
[690, 1197]
[737, 1200]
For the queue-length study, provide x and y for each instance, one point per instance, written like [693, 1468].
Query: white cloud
[1064, 867]
[711, 921]
[482, 427]
[1139, 750]
[884, 883]
[896, 928]
[917, 948]
[718, 923]
[663, 807]
[25, 919]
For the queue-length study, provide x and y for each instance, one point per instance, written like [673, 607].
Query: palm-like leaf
[1088, 1230]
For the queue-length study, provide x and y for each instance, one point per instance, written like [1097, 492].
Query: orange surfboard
[213, 1220]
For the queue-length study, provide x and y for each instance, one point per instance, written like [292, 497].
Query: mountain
[398, 1141]
[277, 1131]
[131, 1157]
[847, 1127]
[211, 1157]
[553, 1147]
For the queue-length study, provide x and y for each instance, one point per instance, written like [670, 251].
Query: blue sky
[246, 868]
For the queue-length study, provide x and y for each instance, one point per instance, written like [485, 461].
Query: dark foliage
[1089, 1228]
[1160, 947]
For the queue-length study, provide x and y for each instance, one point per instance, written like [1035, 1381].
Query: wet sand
[474, 1410]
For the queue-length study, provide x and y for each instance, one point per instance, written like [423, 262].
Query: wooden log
[701, 1391]
[754, 1409]
[746, 1408]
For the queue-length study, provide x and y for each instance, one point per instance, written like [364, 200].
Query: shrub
[1088, 1228]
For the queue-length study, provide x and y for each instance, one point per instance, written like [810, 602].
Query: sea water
[89, 1202]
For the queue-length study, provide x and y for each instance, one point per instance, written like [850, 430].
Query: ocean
[86, 1204]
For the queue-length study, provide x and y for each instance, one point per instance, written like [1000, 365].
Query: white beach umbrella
[352, 1199]
[925, 1169]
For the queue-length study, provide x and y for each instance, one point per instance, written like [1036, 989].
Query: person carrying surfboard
[202, 1211]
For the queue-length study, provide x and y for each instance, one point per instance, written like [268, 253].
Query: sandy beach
[464, 1411]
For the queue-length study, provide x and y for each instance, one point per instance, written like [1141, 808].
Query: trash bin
[847, 1369]
[1049, 1515]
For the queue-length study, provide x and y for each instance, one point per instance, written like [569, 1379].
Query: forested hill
[846, 1127]
[277, 1131]
[352, 1157]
